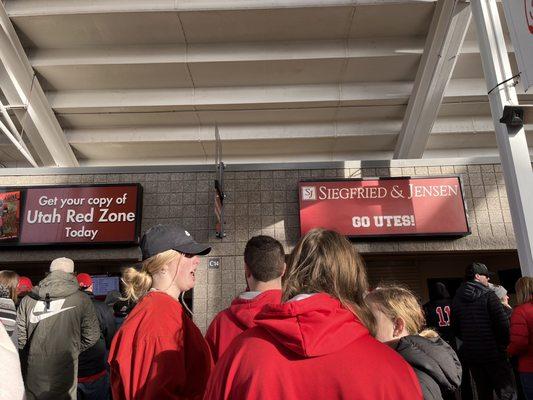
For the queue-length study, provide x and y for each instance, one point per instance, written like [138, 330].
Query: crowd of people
[307, 327]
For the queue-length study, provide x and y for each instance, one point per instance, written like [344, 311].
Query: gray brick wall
[265, 202]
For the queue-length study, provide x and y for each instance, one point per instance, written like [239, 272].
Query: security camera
[512, 116]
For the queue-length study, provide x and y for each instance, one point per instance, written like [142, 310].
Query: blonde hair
[325, 261]
[395, 302]
[10, 280]
[138, 283]
[524, 289]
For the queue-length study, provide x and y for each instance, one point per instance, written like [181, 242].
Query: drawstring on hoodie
[47, 301]
[182, 298]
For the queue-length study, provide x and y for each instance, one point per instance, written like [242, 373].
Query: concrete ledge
[25, 254]
[252, 167]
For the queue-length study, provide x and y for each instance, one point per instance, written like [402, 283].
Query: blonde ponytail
[138, 283]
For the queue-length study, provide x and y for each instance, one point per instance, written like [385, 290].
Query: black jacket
[479, 320]
[93, 360]
[435, 363]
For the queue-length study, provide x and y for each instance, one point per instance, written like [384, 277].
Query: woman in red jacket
[316, 344]
[521, 343]
[158, 352]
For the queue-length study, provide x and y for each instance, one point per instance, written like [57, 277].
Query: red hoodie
[232, 321]
[310, 349]
[158, 353]
[521, 344]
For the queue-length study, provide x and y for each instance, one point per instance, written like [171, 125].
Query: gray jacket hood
[57, 284]
[434, 358]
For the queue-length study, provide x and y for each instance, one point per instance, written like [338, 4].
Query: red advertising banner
[384, 207]
[9, 215]
[81, 214]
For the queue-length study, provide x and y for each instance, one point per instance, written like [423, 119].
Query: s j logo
[308, 193]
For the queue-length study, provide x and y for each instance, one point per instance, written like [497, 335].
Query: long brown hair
[10, 280]
[325, 261]
[524, 289]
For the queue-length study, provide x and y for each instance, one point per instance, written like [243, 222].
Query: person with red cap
[23, 288]
[158, 352]
[93, 380]
[264, 265]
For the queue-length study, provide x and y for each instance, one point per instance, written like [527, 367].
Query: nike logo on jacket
[40, 311]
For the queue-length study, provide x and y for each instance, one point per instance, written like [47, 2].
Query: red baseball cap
[84, 280]
[24, 285]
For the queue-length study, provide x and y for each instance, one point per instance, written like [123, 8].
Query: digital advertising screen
[103, 284]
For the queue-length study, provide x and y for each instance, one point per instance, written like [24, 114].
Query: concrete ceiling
[137, 82]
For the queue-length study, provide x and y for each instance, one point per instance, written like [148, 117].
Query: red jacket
[232, 321]
[521, 344]
[310, 349]
[158, 353]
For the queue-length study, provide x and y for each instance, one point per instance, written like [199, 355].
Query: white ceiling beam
[232, 97]
[27, 8]
[472, 46]
[301, 131]
[229, 52]
[246, 158]
[237, 52]
[467, 125]
[20, 86]
[444, 126]
[447, 32]
[258, 97]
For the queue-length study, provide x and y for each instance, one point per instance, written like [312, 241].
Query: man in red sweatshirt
[264, 265]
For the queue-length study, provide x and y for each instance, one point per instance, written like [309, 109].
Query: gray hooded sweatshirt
[56, 322]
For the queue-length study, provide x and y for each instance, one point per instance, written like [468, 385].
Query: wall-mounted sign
[384, 207]
[213, 262]
[96, 214]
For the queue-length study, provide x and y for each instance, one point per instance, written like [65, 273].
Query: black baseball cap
[477, 268]
[161, 238]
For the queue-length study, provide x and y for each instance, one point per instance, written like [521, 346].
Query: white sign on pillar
[519, 16]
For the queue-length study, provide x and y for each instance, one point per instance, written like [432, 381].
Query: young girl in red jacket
[521, 343]
[158, 352]
[316, 344]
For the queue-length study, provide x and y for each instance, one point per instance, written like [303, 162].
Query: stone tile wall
[266, 202]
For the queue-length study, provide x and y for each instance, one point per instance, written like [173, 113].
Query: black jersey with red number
[438, 317]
